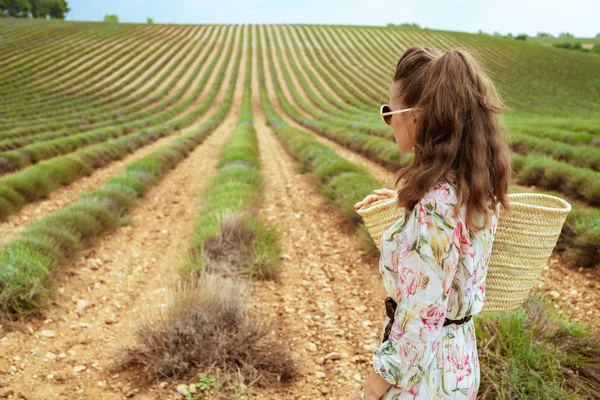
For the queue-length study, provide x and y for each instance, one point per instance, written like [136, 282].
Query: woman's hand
[379, 195]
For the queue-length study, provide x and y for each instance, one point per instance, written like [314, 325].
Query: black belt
[390, 310]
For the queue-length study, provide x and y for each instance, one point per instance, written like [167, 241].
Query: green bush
[113, 18]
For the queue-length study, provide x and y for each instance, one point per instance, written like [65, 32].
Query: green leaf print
[394, 372]
[429, 260]
[469, 309]
[464, 391]
[444, 388]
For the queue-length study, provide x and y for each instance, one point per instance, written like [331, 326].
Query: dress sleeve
[421, 257]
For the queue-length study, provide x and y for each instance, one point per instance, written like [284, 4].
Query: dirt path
[328, 300]
[124, 274]
[68, 194]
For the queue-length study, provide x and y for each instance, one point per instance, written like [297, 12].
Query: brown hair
[460, 128]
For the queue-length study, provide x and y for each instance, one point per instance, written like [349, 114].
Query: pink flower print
[421, 213]
[459, 362]
[447, 283]
[487, 251]
[447, 351]
[403, 244]
[408, 281]
[440, 194]
[395, 258]
[409, 351]
[399, 293]
[471, 285]
[433, 315]
[439, 357]
[414, 389]
[473, 394]
[428, 333]
[462, 240]
[396, 332]
[482, 291]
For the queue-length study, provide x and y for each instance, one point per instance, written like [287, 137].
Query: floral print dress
[434, 267]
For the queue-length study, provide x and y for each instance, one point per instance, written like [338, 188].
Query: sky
[579, 17]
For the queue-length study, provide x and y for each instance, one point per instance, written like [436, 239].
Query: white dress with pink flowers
[434, 268]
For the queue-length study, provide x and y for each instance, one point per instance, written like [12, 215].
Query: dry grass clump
[206, 326]
[230, 250]
[234, 244]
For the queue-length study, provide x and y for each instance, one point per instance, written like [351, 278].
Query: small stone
[357, 377]
[47, 333]
[183, 389]
[79, 368]
[333, 356]
[360, 309]
[81, 305]
[83, 339]
[554, 294]
[12, 369]
[366, 323]
[320, 374]
[192, 388]
[50, 376]
[163, 385]
[311, 347]
[50, 355]
[110, 321]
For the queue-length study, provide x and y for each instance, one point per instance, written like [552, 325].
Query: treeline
[34, 8]
[578, 46]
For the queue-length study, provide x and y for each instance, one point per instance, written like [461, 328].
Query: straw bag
[524, 240]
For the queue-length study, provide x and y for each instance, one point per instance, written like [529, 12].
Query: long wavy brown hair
[460, 127]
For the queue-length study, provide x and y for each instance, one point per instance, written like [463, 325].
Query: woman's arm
[375, 386]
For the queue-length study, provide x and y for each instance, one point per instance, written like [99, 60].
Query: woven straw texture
[524, 241]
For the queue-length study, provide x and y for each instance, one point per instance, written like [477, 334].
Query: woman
[434, 258]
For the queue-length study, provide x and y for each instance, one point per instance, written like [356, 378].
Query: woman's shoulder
[436, 208]
[442, 198]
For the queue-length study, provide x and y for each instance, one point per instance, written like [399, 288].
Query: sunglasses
[386, 113]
